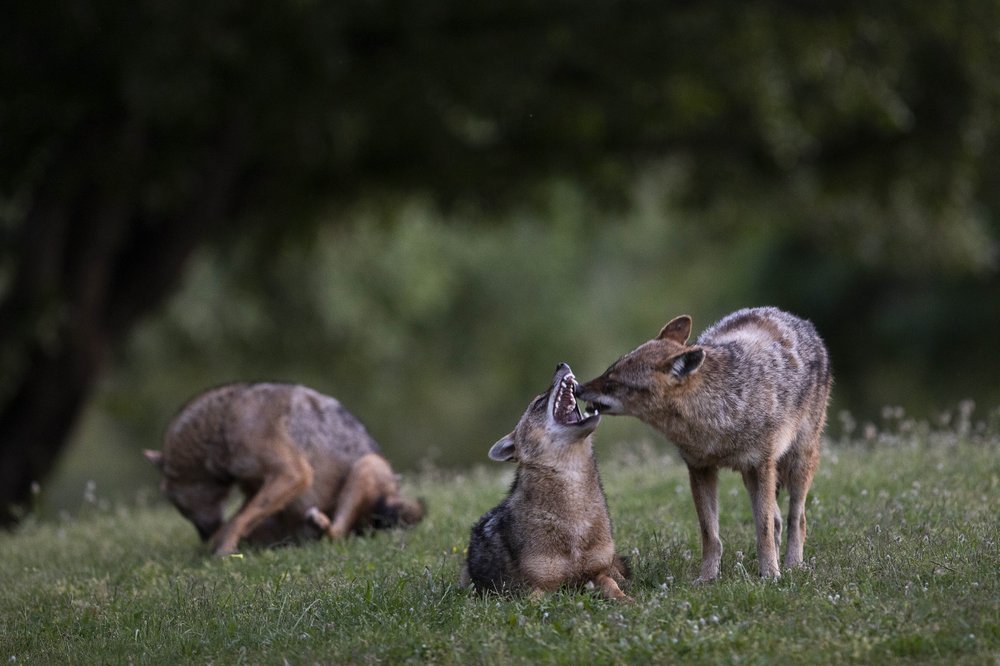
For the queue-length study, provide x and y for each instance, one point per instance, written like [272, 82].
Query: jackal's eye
[538, 401]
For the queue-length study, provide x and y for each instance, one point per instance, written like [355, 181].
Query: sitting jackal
[553, 527]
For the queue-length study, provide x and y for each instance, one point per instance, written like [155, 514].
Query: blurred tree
[135, 132]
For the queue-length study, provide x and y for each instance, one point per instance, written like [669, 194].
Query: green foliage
[416, 206]
[876, 125]
[437, 330]
[902, 552]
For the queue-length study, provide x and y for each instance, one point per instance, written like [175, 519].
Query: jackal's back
[772, 349]
[235, 420]
[766, 372]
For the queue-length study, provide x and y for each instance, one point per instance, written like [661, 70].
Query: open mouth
[565, 409]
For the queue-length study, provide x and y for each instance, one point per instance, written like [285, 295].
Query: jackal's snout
[597, 395]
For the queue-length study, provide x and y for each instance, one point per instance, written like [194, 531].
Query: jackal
[553, 527]
[298, 457]
[751, 394]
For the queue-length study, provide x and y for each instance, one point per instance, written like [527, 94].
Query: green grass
[903, 552]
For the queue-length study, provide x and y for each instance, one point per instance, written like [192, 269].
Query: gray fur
[750, 394]
[295, 454]
[553, 527]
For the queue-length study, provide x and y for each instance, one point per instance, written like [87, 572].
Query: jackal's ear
[504, 449]
[677, 329]
[685, 364]
[155, 457]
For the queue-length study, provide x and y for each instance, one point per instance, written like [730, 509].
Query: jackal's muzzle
[564, 408]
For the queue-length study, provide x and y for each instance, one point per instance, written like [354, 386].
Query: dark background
[421, 207]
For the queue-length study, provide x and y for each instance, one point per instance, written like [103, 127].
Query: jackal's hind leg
[777, 521]
[318, 518]
[800, 477]
[369, 479]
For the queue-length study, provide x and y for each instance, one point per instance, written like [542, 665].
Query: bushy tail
[621, 564]
[398, 511]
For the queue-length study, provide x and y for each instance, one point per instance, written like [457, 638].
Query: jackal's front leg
[610, 589]
[760, 484]
[704, 489]
[280, 488]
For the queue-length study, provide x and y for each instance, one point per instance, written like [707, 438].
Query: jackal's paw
[224, 541]
[706, 580]
[796, 565]
[770, 574]
[224, 549]
[317, 518]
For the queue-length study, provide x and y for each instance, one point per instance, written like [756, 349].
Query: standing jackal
[553, 527]
[750, 394]
[297, 455]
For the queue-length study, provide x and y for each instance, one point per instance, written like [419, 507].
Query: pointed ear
[677, 329]
[504, 450]
[686, 363]
[155, 457]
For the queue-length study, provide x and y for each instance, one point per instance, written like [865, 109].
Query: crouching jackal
[298, 456]
[751, 394]
[553, 527]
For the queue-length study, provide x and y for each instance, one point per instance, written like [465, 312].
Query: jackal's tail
[621, 564]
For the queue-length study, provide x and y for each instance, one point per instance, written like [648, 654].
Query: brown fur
[296, 455]
[750, 395]
[553, 528]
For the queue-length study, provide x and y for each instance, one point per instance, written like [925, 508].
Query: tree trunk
[36, 422]
[89, 267]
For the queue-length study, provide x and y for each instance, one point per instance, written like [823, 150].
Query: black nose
[561, 366]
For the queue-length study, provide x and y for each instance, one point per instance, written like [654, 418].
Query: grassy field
[903, 552]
